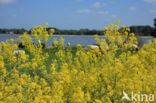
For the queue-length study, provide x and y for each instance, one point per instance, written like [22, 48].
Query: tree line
[138, 30]
[12, 31]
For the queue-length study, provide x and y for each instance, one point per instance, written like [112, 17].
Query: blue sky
[75, 14]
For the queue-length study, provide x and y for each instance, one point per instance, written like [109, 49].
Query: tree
[155, 23]
[153, 33]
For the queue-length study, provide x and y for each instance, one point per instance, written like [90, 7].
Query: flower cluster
[76, 75]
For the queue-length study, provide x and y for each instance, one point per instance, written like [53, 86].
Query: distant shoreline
[77, 35]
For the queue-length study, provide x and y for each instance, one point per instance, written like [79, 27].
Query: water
[83, 40]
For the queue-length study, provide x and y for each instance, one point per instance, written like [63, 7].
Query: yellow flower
[105, 28]
[1, 95]
[128, 29]
[118, 21]
[34, 65]
[123, 26]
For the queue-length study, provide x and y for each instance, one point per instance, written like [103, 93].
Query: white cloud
[98, 4]
[152, 11]
[7, 1]
[102, 12]
[132, 8]
[84, 11]
[150, 1]
[88, 11]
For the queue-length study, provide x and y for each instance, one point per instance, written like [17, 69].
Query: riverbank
[67, 35]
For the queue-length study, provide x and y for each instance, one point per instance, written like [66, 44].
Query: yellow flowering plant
[77, 74]
[41, 34]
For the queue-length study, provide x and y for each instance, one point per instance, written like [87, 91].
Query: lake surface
[83, 40]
